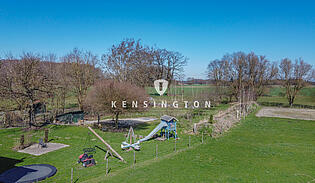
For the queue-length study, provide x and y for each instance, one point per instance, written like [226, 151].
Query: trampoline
[28, 173]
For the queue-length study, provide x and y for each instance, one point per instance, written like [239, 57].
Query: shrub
[206, 130]
[211, 119]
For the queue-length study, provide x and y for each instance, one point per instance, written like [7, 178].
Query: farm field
[276, 96]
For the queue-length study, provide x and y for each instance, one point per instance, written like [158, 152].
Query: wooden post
[156, 151]
[134, 158]
[106, 155]
[46, 135]
[71, 175]
[22, 141]
[106, 166]
[131, 134]
[175, 145]
[202, 138]
[108, 146]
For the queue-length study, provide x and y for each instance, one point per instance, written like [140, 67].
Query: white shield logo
[160, 86]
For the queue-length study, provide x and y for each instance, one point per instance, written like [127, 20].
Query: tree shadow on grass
[8, 163]
[123, 125]
[105, 151]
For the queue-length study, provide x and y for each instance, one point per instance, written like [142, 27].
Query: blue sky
[200, 30]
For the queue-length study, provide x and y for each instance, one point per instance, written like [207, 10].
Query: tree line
[122, 72]
[33, 77]
[239, 74]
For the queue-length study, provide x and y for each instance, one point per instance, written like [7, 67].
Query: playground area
[215, 157]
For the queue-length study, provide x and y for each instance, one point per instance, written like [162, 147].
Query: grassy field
[276, 95]
[257, 150]
[77, 138]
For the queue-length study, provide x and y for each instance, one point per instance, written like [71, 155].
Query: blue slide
[156, 129]
[136, 146]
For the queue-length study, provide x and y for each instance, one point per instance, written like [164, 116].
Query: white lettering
[134, 104]
[124, 104]
[175, 104]
[164, 103]
[145, 104]
[114, 104]
[196, 104]
[207, 104]
[186, 104]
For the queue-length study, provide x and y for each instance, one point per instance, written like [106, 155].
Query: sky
[200, 30]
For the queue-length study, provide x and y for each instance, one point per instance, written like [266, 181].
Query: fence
[152, 151]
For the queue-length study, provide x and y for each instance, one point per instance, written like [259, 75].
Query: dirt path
[291, 113]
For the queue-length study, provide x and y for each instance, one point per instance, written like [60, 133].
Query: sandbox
[36, 150]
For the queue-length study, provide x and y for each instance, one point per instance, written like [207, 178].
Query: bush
[211, 119]
[206, 130]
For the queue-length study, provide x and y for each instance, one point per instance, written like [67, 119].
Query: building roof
[168, 118]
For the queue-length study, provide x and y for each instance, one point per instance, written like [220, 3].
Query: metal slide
[136, 146]
[156, 129]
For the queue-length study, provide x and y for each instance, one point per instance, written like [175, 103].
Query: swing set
[87, 158]
[132, 141]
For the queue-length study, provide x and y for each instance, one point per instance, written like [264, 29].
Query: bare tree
[115, 97]
[218, 72]
[24, 82]
[81, 72]
[169, 65]
[239, 72]
[294, 77]
[129, 61]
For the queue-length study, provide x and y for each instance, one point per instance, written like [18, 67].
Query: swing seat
[89, 150]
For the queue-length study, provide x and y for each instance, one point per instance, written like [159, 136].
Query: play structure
[28, 173]
[106, 144]
[132, 141]
[87, 159]
[167, 128]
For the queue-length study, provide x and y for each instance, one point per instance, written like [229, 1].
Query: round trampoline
[28, 173]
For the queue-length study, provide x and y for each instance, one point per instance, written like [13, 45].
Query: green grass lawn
[301, 100]
[276, 94]
[257, 150]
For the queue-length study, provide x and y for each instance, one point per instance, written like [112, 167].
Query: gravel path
[291, 113]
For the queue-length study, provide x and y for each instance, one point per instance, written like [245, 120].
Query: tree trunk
[291, 100]
[30, 117]
[116, 119]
